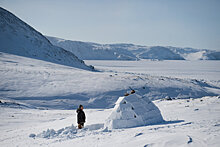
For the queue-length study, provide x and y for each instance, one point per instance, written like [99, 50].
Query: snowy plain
[39, 100]
[198, 69]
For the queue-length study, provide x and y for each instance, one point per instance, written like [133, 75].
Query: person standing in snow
[81, 117]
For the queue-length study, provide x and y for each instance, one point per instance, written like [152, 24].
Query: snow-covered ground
[194, 122]
[47, 85]
[207, 70]
[29, 87]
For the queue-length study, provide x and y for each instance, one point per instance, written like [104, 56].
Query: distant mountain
[161, 53]
[95, 51]
[196, 54]
[17, 37]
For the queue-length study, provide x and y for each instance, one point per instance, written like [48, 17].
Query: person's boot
[79, 126]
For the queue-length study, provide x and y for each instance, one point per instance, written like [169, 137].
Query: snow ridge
[17, 37]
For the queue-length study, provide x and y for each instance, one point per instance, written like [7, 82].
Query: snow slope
[95, 51]
[47, 85]
[17, 37]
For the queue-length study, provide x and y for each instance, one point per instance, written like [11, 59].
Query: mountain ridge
[19, 38]
[128, 51]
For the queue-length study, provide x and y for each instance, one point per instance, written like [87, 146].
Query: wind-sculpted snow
[17, 37]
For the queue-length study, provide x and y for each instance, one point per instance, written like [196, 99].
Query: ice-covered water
[200, 69]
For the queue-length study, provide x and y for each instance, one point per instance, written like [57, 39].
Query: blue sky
[181, 23]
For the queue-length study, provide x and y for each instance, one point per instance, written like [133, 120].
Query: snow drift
[133, 111]
[17, 37]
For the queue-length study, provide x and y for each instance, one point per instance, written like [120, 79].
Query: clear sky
[181, 23]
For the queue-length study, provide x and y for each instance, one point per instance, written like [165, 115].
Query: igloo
[132, 111]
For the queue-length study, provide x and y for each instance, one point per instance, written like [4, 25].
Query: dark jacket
[81, 117]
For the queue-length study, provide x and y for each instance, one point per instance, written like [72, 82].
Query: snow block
[132, 111]
[68, 132]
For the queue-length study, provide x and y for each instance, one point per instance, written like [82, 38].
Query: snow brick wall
[133, 111]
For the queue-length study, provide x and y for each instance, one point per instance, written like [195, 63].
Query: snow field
[193, 122]
[45, 85]
[200, 70]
